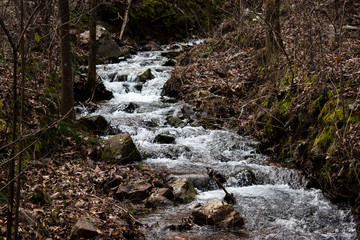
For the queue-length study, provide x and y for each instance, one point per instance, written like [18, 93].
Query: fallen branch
[220, 179]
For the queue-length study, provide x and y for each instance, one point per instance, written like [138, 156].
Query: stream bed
[273, 200]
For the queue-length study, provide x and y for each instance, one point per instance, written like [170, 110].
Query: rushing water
[272, 200]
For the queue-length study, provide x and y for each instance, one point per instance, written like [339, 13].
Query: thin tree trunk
[126, 19]
[91, 75]
[12, 162]
[67, 95]
[18, 180]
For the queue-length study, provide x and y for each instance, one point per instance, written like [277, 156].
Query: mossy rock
[147, 75]
[120, 149]
[175, 121]
[323, 141]
[184, 191]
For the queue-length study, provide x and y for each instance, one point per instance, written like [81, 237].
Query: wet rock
[135, 191]
[106, 46]
[150, 123]
[171, 53]
[170, 63]
[129, 108]
[183, 190]
[200, 181]
[138, 87]
[98, 124]
[175, 121]
[121, 149]
[164, 139]
[219, 214]
[119, 78]
[147, 75]
[83, 229]
[245, 178]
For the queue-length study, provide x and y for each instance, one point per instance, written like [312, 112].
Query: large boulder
[97, 124]
[121, 149]
[83, 229]
[183, 190]
[106, 46]
[219, 214]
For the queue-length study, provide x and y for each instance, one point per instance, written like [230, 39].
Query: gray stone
[217, 213]
[83, 229]
[183, 189]
[135, 191]
[106, 46]
[121, 149]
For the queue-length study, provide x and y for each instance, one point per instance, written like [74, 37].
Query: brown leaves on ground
[58, 191]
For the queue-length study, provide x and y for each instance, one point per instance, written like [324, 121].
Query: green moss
[269, 128]
[316, 105]
[285, 103]
[324, 140]
[74, 131]
[310, 79]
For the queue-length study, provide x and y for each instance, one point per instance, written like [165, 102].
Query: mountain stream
[273, 200]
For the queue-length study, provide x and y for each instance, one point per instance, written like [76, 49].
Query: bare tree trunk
[91, 75]
[209, 15]
[18, 180]
[273, 40]
[126, 19]
[67, 95]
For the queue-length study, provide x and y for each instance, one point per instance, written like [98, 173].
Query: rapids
[273, 200]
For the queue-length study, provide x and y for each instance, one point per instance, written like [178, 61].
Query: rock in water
[218, 213]
[164, 138]
[184, 190]
[83, 229]
[147, 75]
[121, 149]
[175, 121]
